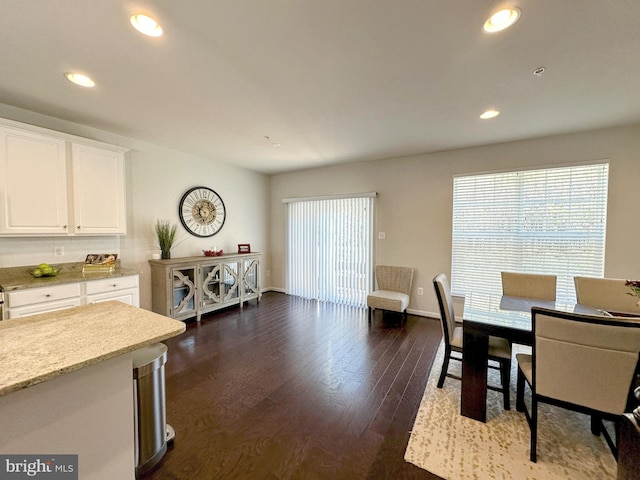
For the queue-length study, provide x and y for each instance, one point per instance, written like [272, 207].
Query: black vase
[166, 255]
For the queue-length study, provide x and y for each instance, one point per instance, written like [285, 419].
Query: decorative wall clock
[202, 212]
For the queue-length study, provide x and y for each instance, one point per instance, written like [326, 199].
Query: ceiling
[331, 81]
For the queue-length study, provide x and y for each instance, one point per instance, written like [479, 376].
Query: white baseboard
[273, 289]
[423, 313]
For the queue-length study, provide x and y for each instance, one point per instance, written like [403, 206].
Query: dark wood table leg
[628, 449]
[473, 402]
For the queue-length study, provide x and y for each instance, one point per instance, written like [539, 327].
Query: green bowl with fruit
[44, 270]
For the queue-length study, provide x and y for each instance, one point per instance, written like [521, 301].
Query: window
[330, 249]
[549, 221]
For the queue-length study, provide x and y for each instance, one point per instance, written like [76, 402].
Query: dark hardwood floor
[295, 389]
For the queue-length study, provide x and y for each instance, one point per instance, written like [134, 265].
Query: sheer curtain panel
[330, 249]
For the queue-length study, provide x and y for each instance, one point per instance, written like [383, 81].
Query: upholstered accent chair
[585, 363]
[608, 294]
[393, 291]
[529, 285]
[499, 348]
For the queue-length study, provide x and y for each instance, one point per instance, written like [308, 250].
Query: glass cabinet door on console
[250, 278]
[210, 285]
[220, 285]
[231, 283]
[184, 292]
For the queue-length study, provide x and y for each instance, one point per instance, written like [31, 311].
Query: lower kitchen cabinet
[124, 289]
[189, 287]
[30, 301]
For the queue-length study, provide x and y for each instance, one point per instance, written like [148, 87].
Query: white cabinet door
[33, 183]
[98, 191]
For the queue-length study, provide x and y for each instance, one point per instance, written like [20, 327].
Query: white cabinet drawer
[30, 296]
[111, 284]
[44, 307]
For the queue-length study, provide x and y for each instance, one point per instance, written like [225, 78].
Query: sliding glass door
[330, 249]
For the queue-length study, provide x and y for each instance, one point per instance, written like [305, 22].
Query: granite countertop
[41, 347]
[15, 278]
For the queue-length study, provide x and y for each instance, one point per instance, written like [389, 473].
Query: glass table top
[512, 312]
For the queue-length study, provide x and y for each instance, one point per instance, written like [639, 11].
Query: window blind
[548, 221]
[330, 249]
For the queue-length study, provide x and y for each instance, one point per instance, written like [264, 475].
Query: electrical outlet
[268, 273]
[58, 251]
[420, 291]
[382, 235]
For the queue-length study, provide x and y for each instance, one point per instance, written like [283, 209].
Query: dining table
[497, 315]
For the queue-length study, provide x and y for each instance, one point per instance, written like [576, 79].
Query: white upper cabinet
[33, 178]
[98, 191]
[57, 184]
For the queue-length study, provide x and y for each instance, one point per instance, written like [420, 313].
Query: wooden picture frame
[244, 248]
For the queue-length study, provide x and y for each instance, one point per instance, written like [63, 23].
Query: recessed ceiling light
[80, 79]
[490, 114]
[146, 25]
[502, 19]
[275, 145]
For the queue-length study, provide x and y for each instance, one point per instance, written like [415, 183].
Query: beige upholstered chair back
[585, 360]
[447, 315]
[606, 294]
[395, 279]
[529, 285]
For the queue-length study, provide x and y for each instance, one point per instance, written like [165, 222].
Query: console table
[188, 287]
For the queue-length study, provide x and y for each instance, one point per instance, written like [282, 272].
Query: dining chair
[393, 291]
[608, 294]
[529, 285]
[499, 348]
[584, 363]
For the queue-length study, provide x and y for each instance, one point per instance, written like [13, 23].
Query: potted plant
[166, 234]
[634, 285]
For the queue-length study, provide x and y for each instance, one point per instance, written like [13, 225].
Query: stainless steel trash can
[149, 406]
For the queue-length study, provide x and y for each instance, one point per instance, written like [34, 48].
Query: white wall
[415, 196]
[156, 179]
[413, 204]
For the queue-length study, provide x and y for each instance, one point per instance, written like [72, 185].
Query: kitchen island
[66, 384]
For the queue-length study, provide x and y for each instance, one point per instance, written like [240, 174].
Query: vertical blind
[548, 221]
[330, 249]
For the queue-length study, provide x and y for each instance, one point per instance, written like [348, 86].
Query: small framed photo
[101, 259]
[244, 248]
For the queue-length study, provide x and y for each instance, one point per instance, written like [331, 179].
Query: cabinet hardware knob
[78, 227]
[114, 285]
[47, 295]
[64, 226]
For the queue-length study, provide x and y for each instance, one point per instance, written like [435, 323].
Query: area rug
[457, 448]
